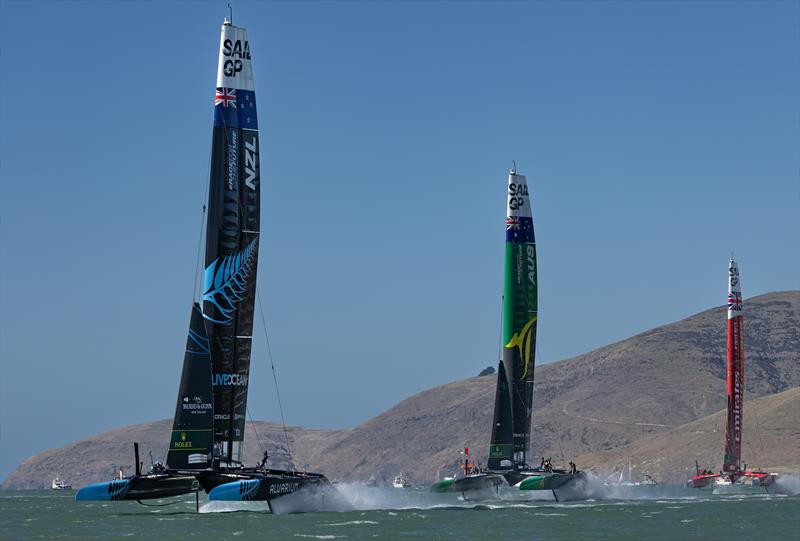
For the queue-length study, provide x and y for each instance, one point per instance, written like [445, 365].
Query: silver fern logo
[225, 282]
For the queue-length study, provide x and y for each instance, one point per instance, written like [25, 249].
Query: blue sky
[656, 137]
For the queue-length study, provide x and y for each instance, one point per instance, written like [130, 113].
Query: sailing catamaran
[511, 427]
[207, 442]
[732, 471]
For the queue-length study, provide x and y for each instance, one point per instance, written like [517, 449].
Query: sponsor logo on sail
[522, 340]
[500, 450]
[183, 443]
[233, 154]
[235, 380]
[196, 405]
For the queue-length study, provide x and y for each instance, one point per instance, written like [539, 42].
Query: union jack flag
[512, 223]
[735, 301]
[226, 97]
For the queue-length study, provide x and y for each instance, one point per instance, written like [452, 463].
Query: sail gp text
[236, 54]
[516, 195]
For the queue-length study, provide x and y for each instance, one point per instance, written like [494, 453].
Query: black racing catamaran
[511, 427]
[207, 439]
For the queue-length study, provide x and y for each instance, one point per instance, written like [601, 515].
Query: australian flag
[235, 108]
[519, 229]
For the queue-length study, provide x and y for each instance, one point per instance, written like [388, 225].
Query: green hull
[445, 485]
[470, 483]
[549, 480]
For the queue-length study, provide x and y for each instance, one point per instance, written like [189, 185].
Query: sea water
[620, 513]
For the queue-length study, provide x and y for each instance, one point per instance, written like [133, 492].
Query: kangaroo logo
[522, 340]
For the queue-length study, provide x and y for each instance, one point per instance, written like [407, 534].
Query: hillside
[771, 440]
[611, 402]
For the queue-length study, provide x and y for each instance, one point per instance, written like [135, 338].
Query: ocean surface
[623, 513]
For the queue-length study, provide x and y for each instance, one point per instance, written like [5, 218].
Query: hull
[264, 486]
[744, 483]
[142, 487]
[543, 480]
[702, 481]
[487, 482]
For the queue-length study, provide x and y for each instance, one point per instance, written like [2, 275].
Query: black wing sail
[501, 446]
[232, 242]
[191, 442]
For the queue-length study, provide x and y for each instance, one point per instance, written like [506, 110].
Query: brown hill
[771, 440]
[631, 391]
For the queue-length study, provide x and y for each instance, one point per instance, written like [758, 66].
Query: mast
[733, 426]
[232, 234]
[514, 396]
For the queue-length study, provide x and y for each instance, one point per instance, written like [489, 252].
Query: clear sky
[656, 137]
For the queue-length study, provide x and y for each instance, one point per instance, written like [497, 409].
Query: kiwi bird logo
[522, 341]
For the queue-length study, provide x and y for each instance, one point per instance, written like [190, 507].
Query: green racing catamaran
[511, 427]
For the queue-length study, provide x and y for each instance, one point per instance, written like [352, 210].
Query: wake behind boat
[207, 441]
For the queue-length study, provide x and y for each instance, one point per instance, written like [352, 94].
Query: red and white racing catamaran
[732, 471]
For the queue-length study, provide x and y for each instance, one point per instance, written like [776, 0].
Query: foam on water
[593, 491]
[705, 517]
[788, 484]
[232, 507]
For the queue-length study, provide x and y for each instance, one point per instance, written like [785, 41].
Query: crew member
[263, 463]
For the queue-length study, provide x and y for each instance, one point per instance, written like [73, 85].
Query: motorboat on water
[401, 482]
[59, 484]
[645, 480]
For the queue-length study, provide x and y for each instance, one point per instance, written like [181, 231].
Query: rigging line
[500, 333]
[275, 379]
[201, 237]
[255, 431]
[558, 436]
[199, 246]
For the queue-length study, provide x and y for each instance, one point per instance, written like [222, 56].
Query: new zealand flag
[235, 108]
